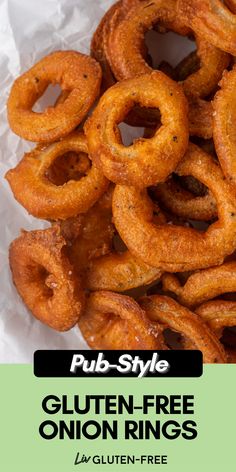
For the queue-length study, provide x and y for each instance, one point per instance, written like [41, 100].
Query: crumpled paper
[28, 31]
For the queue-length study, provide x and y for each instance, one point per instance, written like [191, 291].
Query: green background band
[23, 450]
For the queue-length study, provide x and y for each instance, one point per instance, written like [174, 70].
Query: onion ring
[183, 203]
[203, 81]
[45, 279]
[203, 285]
[146, 162]
[76, 72]
[138, 116]
[218, 314]
[97, 48]
[125, 50]
[169, 313]
[114, 321]
[121, 272]
[89, 236]
[200, 111]
[201, 118]
[200, 83]
[40, 196]
[224, 124]
[91, 252]
[211, 20]
[161, 27]
[126, 38]
[172, 248]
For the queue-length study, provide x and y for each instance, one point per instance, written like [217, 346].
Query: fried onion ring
[203, 285]
[200, 111]
[201, 118]
[75, 72]
[126, 38]
[172, 248]
[146, 162]
[121, 271]
[182, 203]
[91, 252]
[89, 236]
[221, 314]
[97, 48]
[40, 196]
[212, 20]
[126, 48]
[170, 314]
[114, 321]
[203, 81]
[218, 314]
[138, 116]
[45, 279]
[163, 23]
[224, 124]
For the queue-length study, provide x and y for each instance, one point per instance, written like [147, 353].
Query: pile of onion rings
[142, 238]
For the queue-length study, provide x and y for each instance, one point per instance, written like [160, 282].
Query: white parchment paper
[30, 29]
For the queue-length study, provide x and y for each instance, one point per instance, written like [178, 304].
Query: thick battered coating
[224, 124]
[169, 247]
[97, 48]
[45, 279]
[212, 20]
[114, 321]
[146, 161]
[200, 118]
[76, 73]
[120, 272]
[221, 314]
[218, 314]
[32, 185]
[108, 235]
[126, 47]
[91, 250]
[89, 236]
[203, 285]
[170, 314]
[183, 203]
